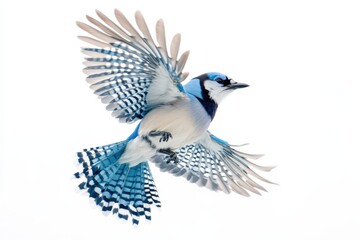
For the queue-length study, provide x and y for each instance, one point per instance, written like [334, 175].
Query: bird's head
[213, 86]
[218, 86]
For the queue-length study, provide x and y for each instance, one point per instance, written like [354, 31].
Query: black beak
[234, 86]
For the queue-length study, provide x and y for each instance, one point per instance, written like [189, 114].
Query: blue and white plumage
[139, 80]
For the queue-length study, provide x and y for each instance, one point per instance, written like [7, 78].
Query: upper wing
[213, 163]
[127, 70]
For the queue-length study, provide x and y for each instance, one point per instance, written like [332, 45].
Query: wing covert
[127, 69]
[213, 163]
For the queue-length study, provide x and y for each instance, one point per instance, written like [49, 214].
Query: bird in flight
[140, 80]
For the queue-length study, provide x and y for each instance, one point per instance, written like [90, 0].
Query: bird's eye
[223, 82]
[219, 80]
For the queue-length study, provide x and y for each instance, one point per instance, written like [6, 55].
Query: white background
[301, 59]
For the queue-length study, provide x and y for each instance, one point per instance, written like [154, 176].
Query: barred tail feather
[116, 187]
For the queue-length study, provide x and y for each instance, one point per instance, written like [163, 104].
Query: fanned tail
[117, 187]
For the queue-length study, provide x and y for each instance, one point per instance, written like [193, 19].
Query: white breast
[186, 120]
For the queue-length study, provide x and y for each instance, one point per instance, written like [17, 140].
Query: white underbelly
[186, 121]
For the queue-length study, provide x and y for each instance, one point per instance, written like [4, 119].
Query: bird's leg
[170, 154]
[164, 135]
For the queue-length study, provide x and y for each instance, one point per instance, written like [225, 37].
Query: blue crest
[215, 75]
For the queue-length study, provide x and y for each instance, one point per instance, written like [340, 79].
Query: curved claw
[170, 155]
[165, 136]
[172, 158]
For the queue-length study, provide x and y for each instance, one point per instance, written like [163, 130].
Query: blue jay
[140, 80]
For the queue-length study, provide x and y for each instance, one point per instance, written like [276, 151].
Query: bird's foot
[171, 156]
[165, 136]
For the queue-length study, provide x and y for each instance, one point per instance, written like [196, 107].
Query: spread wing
[213, 163]
[127, 69]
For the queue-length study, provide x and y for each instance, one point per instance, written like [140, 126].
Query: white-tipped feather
[247, 186]
[107, 99]
[247, 155]
[212, 184]
[182, 61]
[96, 32]
[174, 48]
[160, 37]
[95, 87]
[140, 21]
[238, 173]
[224, 186]
[240, 182]
[114, 26]
[255, 185]
[93, 54]
[262, 168]
[103, 27]
[88, 71]
[251, 172]
[93, 80]
[91, 64]
[127, 25]
[183, 76]
[236, 188]
[94, 42]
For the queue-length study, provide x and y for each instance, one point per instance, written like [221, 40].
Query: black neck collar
[207, 102]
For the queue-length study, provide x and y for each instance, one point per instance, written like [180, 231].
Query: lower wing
[215, 164]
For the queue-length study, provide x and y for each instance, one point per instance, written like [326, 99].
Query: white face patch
[217, 91]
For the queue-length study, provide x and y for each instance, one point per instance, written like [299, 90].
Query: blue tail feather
[117, 187]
